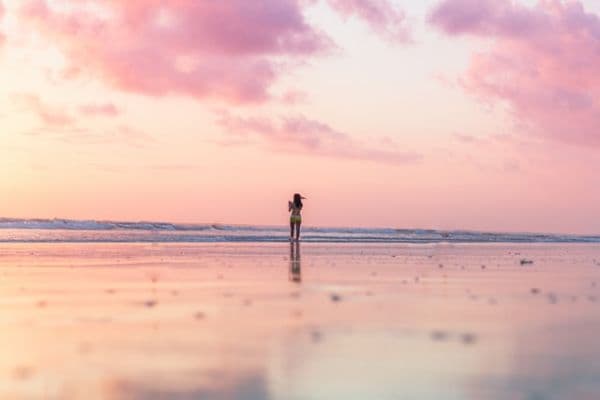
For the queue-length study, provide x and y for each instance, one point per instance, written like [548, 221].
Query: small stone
[316, 336]
[150, 303]
[439, 336]
[22, 373]
[199, 315]
[335, 297]
[468, 338]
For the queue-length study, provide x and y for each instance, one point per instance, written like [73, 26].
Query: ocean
[89, 231]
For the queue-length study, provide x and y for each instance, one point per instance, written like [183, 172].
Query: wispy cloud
[104, 109]
[116, 135]
[382, 16]
[301, 135]
[543, 62]
[49, 115]
[293, 97]
[56, 122]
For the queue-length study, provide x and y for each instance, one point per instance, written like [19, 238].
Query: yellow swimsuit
[295, 217]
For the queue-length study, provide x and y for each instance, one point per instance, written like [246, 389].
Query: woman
[295, 217]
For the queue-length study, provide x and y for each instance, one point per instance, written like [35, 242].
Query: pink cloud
[543, 62]
[231, 50]
[485, 17]
[469, 139]
[223, 49]
[292, 97]
[48, 114]
[106, 109]
[57, 123]
[305, 136]
[381, 15]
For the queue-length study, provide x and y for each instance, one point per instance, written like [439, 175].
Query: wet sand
[317, 321]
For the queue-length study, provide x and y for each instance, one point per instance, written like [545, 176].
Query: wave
[91, 225]
[67, 230]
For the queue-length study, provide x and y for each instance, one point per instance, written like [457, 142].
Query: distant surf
[74, 231]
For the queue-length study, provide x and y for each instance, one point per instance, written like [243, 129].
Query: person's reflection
[295, 266]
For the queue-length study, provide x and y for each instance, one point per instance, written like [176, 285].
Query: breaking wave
[65, 230]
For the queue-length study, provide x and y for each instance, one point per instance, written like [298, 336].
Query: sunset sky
[448, 114]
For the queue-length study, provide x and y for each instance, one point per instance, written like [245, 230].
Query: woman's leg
[291, 230]
[298, 230]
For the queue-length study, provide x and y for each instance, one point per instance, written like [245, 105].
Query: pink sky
[451, 114]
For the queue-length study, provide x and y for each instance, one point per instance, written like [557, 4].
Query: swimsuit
[295, 217]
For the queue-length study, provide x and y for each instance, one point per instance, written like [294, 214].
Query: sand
[322, 321]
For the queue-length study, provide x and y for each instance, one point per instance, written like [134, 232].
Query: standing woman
[295, 217]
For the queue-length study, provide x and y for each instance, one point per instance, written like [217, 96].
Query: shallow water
[312, 321]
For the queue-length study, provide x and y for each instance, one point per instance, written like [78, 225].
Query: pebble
[150, 303]
[468, 338]
[199, 315]
[439, 336]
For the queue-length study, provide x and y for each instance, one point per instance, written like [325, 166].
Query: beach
[299, 321]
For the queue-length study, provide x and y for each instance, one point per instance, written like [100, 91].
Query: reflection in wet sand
[295, 274]
[133, 321]
[252, 387]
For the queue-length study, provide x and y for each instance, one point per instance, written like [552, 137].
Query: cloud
[292, 97]
[76, 135]
[543, 62]
[57, 123]
[52, 116]
[467, 139]
[382, 16]
[301, 135]
[105, 109]
[229, 50]
[485, 17]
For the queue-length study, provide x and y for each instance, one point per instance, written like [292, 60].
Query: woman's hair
[297, 200]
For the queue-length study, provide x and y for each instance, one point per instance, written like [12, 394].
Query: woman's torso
[296, 210]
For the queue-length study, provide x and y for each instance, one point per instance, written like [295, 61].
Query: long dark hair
[297, 200]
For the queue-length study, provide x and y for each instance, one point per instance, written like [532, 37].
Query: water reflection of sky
[250, 387]
[299, 321]
[369, 364]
